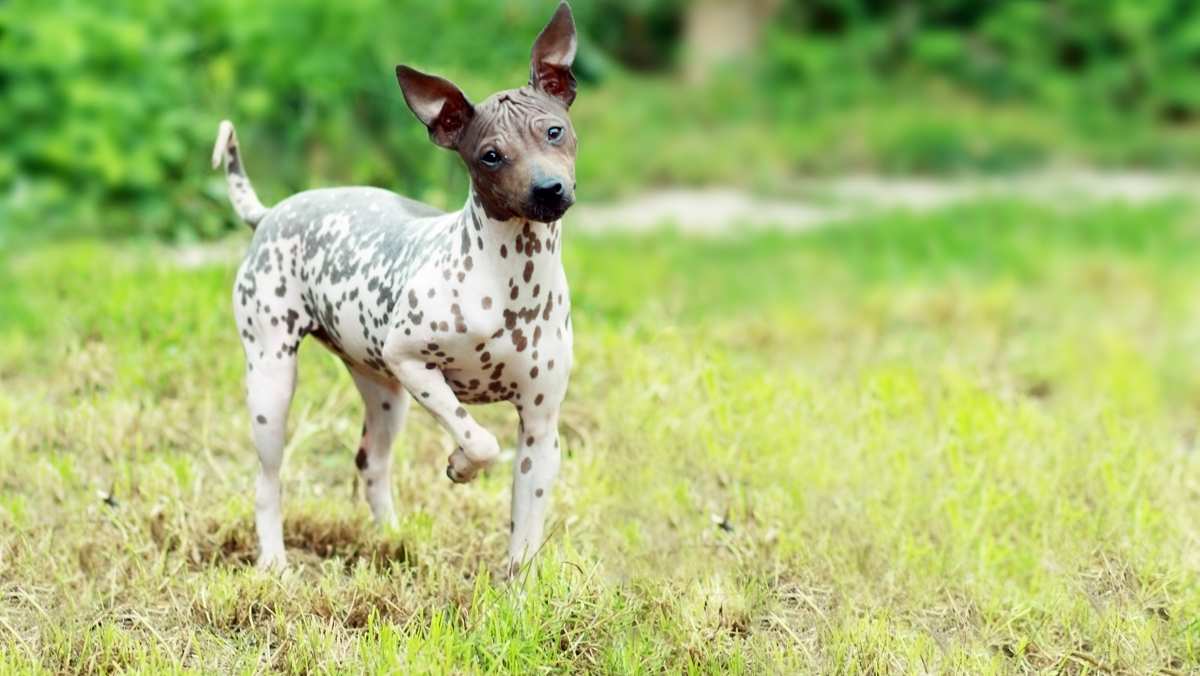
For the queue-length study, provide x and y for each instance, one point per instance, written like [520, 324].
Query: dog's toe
[460, 469]
[457, 476]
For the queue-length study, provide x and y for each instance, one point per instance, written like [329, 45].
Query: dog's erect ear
[553, 54]
[437, 103]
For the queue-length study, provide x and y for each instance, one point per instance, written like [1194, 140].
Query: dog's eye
[554, 133]
[490, 159]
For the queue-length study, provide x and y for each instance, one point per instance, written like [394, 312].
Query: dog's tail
[241, 193]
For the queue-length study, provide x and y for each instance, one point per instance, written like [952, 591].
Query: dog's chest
[493, 315]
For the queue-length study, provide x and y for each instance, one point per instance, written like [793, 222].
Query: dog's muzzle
[549, 199]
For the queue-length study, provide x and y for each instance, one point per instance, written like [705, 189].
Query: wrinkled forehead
[513, 113]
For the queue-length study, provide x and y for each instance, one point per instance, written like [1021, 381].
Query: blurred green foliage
[109, 109]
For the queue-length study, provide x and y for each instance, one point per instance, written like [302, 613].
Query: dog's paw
[272, 561]
[456, 475]
[464, 464]
[459, 467]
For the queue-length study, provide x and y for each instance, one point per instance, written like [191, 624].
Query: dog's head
[518, 145]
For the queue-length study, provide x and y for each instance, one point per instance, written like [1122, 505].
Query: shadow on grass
[309, 538]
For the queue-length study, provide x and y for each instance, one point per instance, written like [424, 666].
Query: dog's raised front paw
[464, 465]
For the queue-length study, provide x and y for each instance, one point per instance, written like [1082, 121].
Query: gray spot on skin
[526, 465]
[262, 420]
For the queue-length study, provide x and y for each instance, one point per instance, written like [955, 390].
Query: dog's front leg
[477, 448]
[534, 471]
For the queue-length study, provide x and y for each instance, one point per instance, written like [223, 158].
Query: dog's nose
[549, 191]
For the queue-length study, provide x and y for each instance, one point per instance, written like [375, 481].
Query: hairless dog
[469, 307]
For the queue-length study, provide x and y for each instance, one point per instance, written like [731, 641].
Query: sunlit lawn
[956, 442]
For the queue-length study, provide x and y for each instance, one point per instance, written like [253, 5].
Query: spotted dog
[469, 307]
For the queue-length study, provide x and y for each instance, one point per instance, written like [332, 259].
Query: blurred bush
[109, 108]
[1115, 56]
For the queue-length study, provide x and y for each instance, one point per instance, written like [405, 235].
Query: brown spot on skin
[387, 406]
[533, 372]
[444, 326]
[460, 325]
[512, 294]
[537, 401]
[529, 441]
[487, 302]
[360, 460]
[550, 364]
[528, 273]
[538, 493]
[537, 290]
[460, 412]
[430, 365]
[526, 465]
[479, 347]
[519, 341]
[503, 251]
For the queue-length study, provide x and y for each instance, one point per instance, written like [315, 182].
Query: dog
[469, 307]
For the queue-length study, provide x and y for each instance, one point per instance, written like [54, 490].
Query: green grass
[958, 442]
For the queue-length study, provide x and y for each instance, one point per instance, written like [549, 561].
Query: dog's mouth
[547, 213]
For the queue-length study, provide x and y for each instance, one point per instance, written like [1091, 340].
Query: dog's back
[335, 260]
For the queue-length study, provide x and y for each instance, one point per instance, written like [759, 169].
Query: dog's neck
[517, 247]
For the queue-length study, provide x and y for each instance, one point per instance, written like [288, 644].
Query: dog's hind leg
[386, 406]
[270, 346]
[270, 382]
